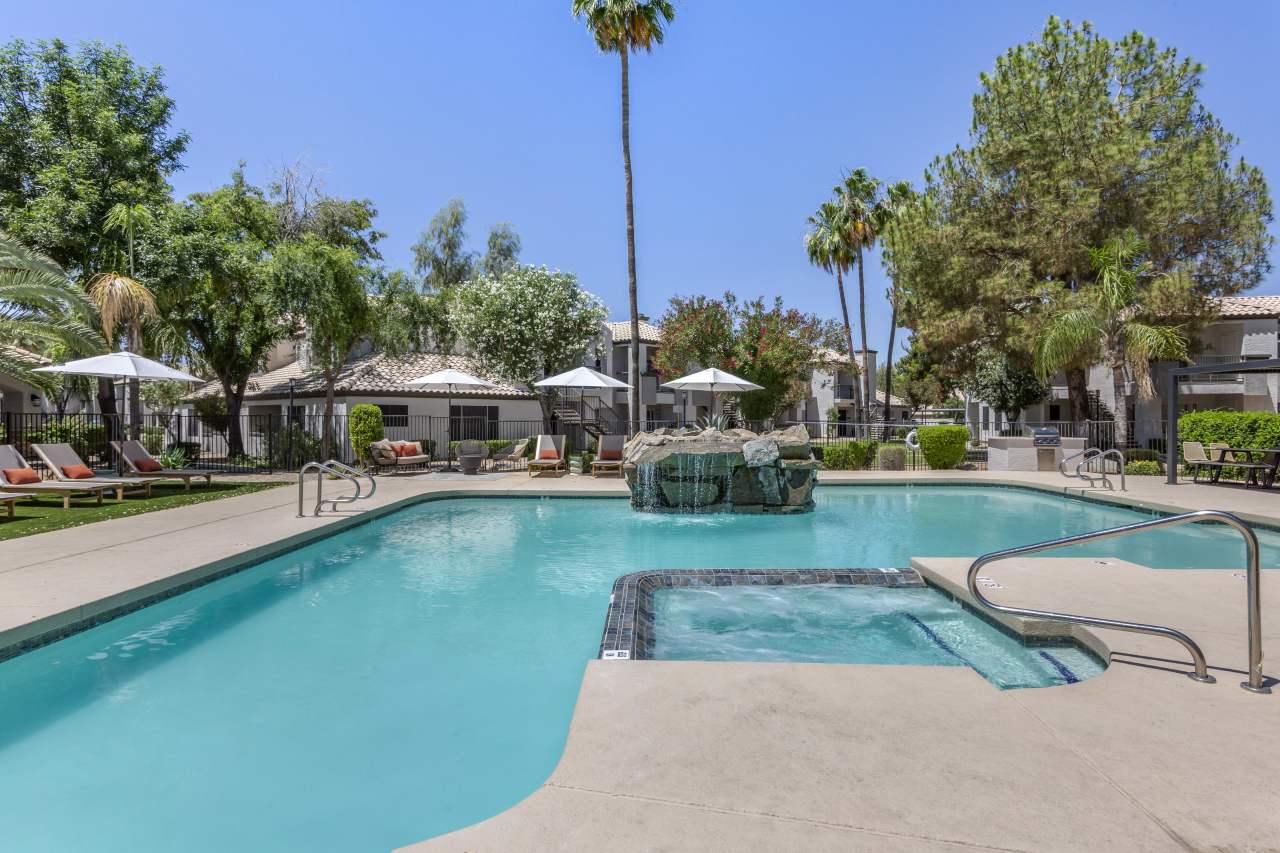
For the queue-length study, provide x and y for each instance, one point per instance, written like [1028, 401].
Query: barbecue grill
[1046, 437]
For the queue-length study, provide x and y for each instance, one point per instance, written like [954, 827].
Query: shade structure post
[1171, 429]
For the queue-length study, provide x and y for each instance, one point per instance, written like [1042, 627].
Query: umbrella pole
[448, 430]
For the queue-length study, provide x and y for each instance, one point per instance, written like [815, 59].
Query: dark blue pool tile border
[628, 626]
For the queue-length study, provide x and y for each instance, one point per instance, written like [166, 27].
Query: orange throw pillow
[148, 465]
[77, 472]
[404, 448]
[610, 455]
[550, 453]
[21, 476]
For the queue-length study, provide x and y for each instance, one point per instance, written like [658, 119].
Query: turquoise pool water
[418, 673]
[823, 623]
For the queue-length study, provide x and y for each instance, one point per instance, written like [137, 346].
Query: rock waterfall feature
[707, 470]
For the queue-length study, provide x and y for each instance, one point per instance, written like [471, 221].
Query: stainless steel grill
[1046, 437]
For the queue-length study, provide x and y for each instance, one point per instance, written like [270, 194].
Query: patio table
[1255, 461]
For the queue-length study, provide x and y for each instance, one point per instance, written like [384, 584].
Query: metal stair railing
[1091, 455]
[334, 468]
[1256, 682]
[356, 472]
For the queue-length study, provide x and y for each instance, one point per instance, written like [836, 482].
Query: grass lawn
[46, 513]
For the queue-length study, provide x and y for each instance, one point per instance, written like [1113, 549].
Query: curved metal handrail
[1102, 473]
[322, 468]
[356, 472]
[1256, 682]
[1062, 466]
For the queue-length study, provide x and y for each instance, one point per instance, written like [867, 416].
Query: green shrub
[305, 448]
[190, 450]
[943, 446]
[212, 412]
[88, 440]
[364, 426]
[494, 444]
[892, 458]
[1235, 429]
[1143, 467]
[847, 455]
[1138, 454]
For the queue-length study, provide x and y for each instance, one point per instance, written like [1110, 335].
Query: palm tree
[896, 217]
[859, 196]
[123, 298]
[40, 309]
[624, 26]
[828, 247]
[1113, 320]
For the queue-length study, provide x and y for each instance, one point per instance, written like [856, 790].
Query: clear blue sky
[741, 122]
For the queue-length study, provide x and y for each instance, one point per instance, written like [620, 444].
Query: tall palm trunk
[1120, 388]
[888, 357]
[631, 243]
[326, 428]
[135, 346]
[1078, 394]
[848, 338]
[868, 394]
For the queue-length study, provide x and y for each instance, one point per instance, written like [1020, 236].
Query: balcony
[1213, 383]
[845, 392]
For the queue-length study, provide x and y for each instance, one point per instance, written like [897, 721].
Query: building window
[477, 422]
[394, 416]
[1055, 412]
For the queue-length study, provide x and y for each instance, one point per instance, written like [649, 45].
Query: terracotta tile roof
[621, 331]
[1240, 307]
[25, 355]
[372, 374]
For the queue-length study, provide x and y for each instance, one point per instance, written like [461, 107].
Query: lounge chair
[67, 466]
[471, 455]
[608, 454]
[139, 463]
[12, 465]
[1194, 457]
[548, 455]
[513, 452]
[8, 499]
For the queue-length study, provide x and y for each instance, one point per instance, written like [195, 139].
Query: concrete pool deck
[816, 757]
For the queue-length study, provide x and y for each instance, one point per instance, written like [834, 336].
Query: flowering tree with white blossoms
[527, 323]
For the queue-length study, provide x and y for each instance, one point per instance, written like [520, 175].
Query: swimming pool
[417, 674]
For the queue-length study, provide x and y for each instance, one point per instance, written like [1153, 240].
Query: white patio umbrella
[714, 380]
[449, 380]
[581, 378]
[121, 365]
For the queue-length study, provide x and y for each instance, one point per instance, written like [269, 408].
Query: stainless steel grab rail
[1256, 682]
[1062, 466]
[356, 472]
[1102, 455]
[322, 468]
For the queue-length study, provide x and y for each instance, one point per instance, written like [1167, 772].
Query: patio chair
[548, 455]
[471, 455]
[16, 475]
[608, 455]
[67, 466]
[1194, 457]
[139, 463]
[513, 452]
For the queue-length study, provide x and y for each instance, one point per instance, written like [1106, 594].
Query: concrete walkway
[724, 756]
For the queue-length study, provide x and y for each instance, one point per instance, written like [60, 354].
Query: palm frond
[120, 299]
[1072, 337]
[1144, 343]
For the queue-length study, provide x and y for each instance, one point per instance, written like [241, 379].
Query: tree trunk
[1078, 394]
[868, 385]
[1118, 384]
[888, 357]
[135, 346]
[631, 242]
[235, 398]
[326, 429]
[848, 337]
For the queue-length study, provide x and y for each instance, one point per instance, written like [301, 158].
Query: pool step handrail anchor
[332, 468]
[1256, 682]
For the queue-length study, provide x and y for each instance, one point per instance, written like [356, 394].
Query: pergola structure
[1270, 365]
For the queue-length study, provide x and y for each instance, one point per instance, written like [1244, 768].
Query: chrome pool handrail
[1103, 455]
[322, 468]
[1062, 465]
[356, 472]
[1256, 682]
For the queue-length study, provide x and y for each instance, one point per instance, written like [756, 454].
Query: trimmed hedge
[1143, 467]
[847, 455]
[892, 458]
[1235, 429]
[364, 427]
[943, 446]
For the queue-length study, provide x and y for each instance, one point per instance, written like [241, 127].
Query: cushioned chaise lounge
[139, 463]
[13, 470]
[608, 455]
[549, 454]
[67, 466]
